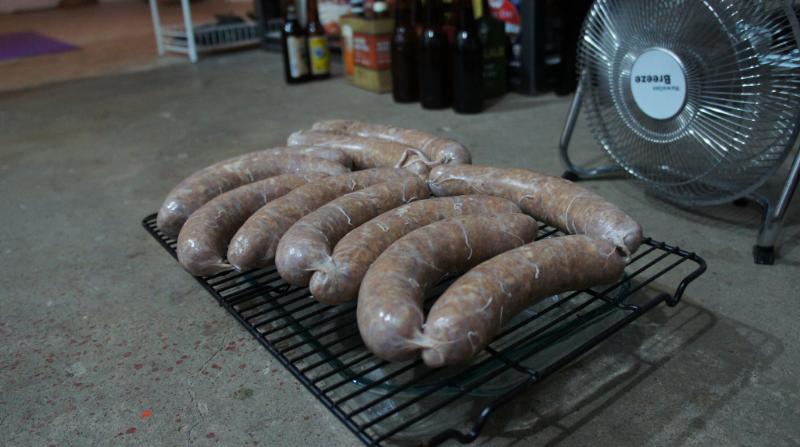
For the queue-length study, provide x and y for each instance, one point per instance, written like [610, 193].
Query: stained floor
[106, 341]
[111, 38]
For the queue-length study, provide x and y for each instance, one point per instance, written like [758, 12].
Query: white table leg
[157, 26]
[187, 23]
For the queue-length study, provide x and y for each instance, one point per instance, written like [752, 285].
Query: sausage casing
[556, 201]
[306, 246]
[203, 240]
[357, 250]
[366, 153]
[465, 319]
[254, 244]
[207, 183]
[390, 299]
[438, 150]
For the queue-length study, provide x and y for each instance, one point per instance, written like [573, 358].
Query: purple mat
[27, 44]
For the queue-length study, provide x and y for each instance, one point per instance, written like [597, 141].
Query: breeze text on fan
[666, 79]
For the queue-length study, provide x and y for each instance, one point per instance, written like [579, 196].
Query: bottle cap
[379, 7]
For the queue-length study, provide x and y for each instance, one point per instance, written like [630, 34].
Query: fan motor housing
[658, 83]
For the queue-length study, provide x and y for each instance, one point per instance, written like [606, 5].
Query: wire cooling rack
[382, 401]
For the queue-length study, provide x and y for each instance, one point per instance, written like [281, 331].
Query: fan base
[764, 255]
[741, 202]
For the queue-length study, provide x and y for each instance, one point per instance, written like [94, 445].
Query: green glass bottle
[492, 32]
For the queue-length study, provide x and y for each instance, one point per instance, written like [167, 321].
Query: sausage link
[307, 246]
[366, 153]
[474, 308]
[209, 182]
[203, 240]
[389, 310]
[439, 150]
[556, 201]
[254, 245]
[328, 153]
[356, 251]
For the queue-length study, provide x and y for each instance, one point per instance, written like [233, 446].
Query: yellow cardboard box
[366, 50]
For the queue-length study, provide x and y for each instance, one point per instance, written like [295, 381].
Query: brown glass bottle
[318, 54]
[405, 87]
[434, 56]
[419, 22]
[293, 41]
[467, 61]
[492, 32]
[380, 10]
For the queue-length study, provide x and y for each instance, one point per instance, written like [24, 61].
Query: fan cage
[740, 119]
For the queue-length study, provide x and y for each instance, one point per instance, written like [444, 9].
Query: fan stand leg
[774, 214]
[574, 172]
[764, 250]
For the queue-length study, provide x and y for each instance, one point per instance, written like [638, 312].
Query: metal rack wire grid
[381, 401]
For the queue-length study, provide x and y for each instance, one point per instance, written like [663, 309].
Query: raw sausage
[209, 182]
[439, 150]
[355, 252]
[204, 237]
[307, 246]
[553, 200]
[474, 308]
[366, 153]
[255, 243]
[225, 175]
[389, 310]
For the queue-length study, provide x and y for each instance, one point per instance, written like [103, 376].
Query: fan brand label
[658, 84]
[666, 79]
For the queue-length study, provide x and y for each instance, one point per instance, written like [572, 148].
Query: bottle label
[348, 52]
[494, 53]
[320, 57]
[297, 56]
[372, 51]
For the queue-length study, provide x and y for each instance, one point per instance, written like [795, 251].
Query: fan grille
[742, 107]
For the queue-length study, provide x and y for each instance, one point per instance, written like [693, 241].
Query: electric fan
[697, 99]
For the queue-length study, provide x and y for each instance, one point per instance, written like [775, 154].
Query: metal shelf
[190, 39]
[380, 401]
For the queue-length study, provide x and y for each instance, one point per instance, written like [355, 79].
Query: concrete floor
[106, 341]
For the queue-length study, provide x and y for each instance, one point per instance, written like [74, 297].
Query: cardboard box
[378, 81]
[367, 52]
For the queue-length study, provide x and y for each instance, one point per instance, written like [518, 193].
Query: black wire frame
[320, 346]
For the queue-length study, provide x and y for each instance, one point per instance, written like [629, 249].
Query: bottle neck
[466, 18]
[291, 13]
[485, 8]
[402, 13]
[313, 12]
[432, 14]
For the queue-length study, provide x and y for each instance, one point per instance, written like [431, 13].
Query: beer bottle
[380, 10]
[467, 61]
[419, 23]
[357, 7]
[293, 42]
[434, 55]
[405, 87]
[492, 32]
[317, 44]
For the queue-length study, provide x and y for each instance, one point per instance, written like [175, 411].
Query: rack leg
[157, 26]
[772, 222]
[187, 23]
[574, 172]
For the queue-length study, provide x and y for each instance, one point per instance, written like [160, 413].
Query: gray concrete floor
[106, 341]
